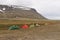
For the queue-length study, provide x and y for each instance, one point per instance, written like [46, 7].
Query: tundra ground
[44, 32]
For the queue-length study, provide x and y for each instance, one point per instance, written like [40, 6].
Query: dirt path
[51, 32]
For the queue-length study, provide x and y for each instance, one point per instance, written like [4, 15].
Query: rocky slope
[19, 12]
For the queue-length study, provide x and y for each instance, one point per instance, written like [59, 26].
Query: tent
[13, 27]
[37, 25]
[25, 26]
[31, 26]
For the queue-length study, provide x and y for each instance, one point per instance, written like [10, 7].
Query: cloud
[54, 18]
[48, 8]
[16, 2]
[8, 1]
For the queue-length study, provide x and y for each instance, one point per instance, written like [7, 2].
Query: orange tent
[25, 26]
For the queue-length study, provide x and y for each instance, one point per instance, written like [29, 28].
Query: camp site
[24, 23]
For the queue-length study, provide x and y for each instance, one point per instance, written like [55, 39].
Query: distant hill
[19, 12]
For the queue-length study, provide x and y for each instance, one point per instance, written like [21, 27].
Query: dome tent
[25, 26]
[13, 27]
[37, 25]
[32, 25]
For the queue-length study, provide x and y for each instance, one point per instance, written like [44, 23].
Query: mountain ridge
[19, 12]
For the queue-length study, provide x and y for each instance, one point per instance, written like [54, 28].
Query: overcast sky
[48, 8]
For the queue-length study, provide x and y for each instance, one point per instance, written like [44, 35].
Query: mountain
[19, 12]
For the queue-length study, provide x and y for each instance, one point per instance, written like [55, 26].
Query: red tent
[25, 26]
